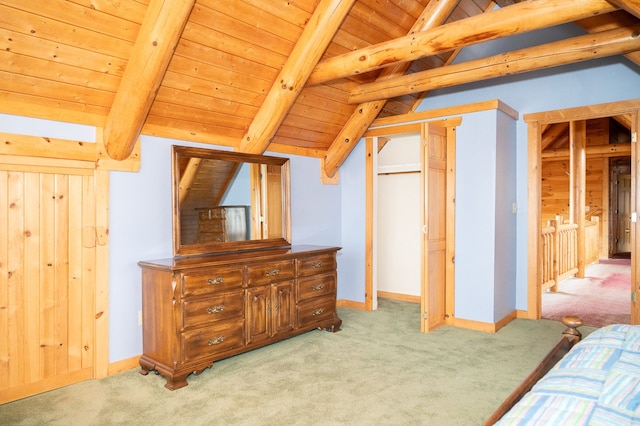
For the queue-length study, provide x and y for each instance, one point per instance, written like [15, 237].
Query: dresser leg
[176, 382]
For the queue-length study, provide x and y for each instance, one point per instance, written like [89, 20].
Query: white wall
[398, 222]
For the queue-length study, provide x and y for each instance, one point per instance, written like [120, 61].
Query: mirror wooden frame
[257, 197]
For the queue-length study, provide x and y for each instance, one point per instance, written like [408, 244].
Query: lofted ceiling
[303, 77]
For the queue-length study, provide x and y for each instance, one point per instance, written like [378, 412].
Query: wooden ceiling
[303, 77]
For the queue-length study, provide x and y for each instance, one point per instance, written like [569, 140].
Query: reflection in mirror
[226, 201]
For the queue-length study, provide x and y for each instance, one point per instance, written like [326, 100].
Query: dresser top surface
[179, 263]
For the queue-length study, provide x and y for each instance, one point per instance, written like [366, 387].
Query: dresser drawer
[316, 264]
[317, 286]
[214, 227]
[207, 341]
[316, 310]
[211, 280]
[263, 273]
[208, 309]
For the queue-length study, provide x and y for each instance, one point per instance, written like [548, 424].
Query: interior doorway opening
[614, 205]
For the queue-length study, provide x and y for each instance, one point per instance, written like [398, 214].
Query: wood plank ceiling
[304, 77]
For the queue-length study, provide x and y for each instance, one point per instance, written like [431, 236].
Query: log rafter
[307, 52]
[548, 55]
[515, 19]
[159, 34]
[433, 15]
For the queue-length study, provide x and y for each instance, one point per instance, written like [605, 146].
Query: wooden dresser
[221, 224]
[197, 310]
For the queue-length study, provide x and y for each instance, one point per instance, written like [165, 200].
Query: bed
[595, 381]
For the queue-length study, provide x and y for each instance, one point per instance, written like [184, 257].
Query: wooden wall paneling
[31, 276]
[88, 256]
[101, 308]
[53, 245]
[4, 283]
[75, 274]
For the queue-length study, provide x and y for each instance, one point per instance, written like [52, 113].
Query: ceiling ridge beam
[514, 19]
[576, 49]
[434, 14]
[309, 48]
[159, 34]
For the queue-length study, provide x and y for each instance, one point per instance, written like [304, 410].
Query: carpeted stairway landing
[600, 298]
[378, 370]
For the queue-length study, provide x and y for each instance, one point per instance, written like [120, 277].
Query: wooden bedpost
[572, 333]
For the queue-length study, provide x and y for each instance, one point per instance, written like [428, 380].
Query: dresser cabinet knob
[216, 340]
[317, 312]
[215, 281]
[215, 309]
[317, 287]
[317, 264]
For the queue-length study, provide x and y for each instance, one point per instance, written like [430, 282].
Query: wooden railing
[560, 251]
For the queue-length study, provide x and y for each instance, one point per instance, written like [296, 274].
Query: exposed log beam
[631, 6]
[597, 45]
[609, 150]
[515, 19]
[310, 47]
[433, 15]
[152, 51]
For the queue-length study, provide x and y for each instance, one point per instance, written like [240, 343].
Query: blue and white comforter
[596, 383]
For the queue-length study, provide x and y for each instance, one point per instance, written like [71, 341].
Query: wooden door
[438, 217]
[623, 213]
[47, 280]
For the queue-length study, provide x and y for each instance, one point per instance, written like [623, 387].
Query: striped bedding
[596, 383]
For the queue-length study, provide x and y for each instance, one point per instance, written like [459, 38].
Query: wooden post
[578, 141]
[556, 255]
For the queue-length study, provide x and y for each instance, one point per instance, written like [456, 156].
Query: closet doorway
[410, 218]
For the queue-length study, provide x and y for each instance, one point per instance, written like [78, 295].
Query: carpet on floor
[601, 298]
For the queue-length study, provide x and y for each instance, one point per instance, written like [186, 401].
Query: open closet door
[438, 192]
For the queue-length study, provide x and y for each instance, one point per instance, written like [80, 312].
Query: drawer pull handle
[317, 312]
[317, 287]
[215, 309]
[272, 272]
[216, 340]
[215, 281]
[317, 264]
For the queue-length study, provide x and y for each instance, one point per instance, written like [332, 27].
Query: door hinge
[425, 315]
[633, 296]
[634, 136]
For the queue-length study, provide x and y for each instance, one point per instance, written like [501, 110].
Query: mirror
[228, 201]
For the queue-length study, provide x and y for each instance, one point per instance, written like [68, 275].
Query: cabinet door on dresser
[270, 301]
[270, 310]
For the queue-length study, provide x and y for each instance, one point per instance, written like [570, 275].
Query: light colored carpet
[378, 370]
[601, 298]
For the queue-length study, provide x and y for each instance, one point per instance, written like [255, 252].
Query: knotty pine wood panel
[56, 52]
[49, 28]
[555, 188]
[47, 222]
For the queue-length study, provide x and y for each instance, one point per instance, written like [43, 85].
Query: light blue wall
[506, 243]
[353, 198]
[589, 83]
[140, 229]
[475, 206]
